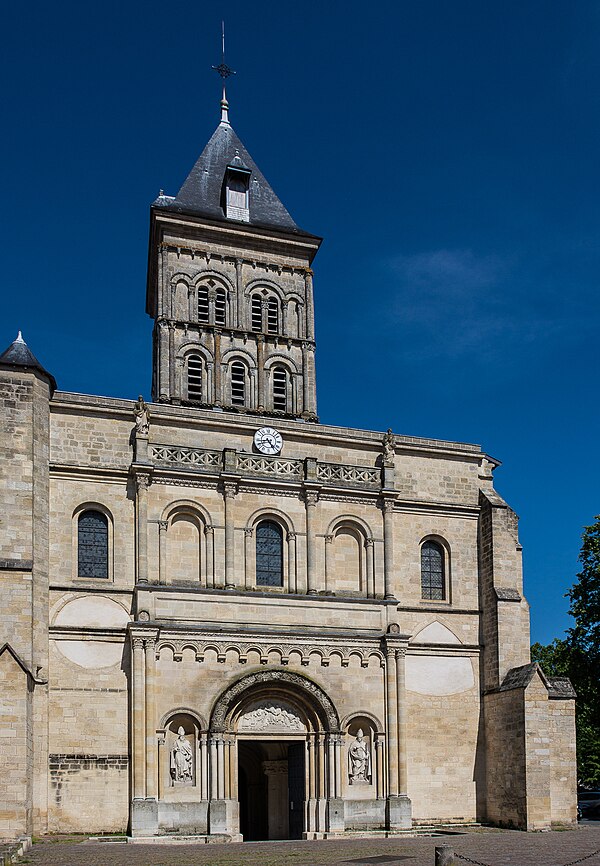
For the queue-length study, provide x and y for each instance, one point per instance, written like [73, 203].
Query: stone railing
[290, 469]
[199, 458]
[333, 473]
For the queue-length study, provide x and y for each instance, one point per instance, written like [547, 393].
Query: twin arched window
[220, 306]
[272, 322]
[433, 577]
[92, 544]
[269, 554]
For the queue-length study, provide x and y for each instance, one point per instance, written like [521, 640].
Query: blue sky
[447, 153]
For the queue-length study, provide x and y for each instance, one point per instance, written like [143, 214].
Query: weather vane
[224, 71]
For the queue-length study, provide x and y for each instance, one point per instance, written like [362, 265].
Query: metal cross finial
[224, 71]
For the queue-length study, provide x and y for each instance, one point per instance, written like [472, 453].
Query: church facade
[221, 618]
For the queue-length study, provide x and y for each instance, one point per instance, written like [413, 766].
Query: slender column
[284, 317]
[331, 766]
[163, 361]
[142, 483]
[161, 765]
[162, 551]
[388, 546]
[192, 305]
[311, 497]
[218, 370]
[229, 492]
[379, 767]
[312, 780]
[226, 769]
[321, 764]
[204, 767]
[292, 577]
[249, 559]
[212, 297]
[172, 360]
[306, 401]
[151, 769]
[239, 287]
[260, 363]
[328, 551]
[220, 769]
[213, 768]
[338, 765]
[401, 698]
[392, 721]
[210, 555]
[162, 267]
[232, 769]
[138, 719]
[310, 315]
[369, 548]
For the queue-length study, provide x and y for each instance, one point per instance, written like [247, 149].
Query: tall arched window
[256, 313]
[220, 307]
[194, 377]
[280, 389]
[269, 554]
[433, 584]
[92, 544]
[272, 316]
[203, 303]
[238, 384]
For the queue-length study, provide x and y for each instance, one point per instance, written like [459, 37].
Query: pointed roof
[202, 192]
[20, 356]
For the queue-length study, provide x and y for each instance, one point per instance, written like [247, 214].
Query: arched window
[220, 307]
[92, 544]
[272, 316]
[238, 384]
[269, 554]
[280, 389]
[256, 313]
[203, 303]
[194, 377]
[433, 585]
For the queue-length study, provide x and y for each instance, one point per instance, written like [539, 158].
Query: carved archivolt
[284, 680]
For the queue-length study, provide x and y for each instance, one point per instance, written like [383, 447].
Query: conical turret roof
[20, 356]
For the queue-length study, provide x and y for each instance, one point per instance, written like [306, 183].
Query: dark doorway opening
[271, 789]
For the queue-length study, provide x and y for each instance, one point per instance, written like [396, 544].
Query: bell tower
[230, 288]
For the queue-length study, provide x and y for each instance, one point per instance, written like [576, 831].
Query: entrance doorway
[271, 790]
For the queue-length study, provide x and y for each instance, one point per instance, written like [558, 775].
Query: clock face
[268, 440]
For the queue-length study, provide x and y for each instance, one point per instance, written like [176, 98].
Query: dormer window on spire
[237, 190]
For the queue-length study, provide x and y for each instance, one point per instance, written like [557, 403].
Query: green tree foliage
[578, 655]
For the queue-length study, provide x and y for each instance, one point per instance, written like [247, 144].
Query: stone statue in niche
[181, 758]
[389, 451]
[359, 760]
[142, 417]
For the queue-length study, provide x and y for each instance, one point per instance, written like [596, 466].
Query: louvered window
[194, 377]
[238, 384]
[92, 544]
[432, 571]
[220, 307]
[256, 313]
[269, 554]
[202, 303]
[273, 316]
[280, 389]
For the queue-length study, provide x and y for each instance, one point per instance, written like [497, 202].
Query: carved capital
[328, 539]
[150, 643]
[311, 497]
[230, 489]
[388, 505]
[248, 530]
[401, 653]
[137, 643]
[163, 525]
[291, 536]
[142, 481]
[369, 542]
[208, 529]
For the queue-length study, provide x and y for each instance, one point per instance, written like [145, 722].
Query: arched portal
[284, 766]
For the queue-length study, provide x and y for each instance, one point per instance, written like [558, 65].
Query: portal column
[399, 807]
[151, 768]
[335, 805]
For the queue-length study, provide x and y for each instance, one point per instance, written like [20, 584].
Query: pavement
[487, 846]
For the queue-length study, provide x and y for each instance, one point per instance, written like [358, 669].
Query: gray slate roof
[202, 191]
[20, 356]
[519, 678]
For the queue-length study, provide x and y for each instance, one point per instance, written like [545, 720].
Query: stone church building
[222, 618]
